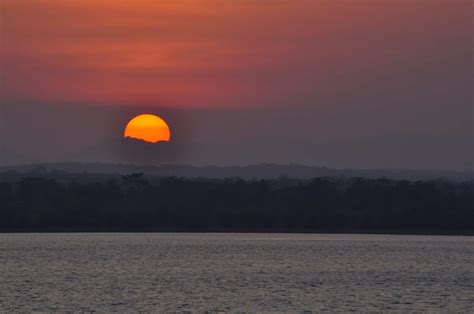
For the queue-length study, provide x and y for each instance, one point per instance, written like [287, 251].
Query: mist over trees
[326, 204]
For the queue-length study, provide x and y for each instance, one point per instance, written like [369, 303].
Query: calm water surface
[235, 272]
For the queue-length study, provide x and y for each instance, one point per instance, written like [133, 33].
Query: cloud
[224, 53]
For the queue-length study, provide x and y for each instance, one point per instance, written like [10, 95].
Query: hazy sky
[341, 83]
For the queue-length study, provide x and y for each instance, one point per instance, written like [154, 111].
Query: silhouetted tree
[131, 202]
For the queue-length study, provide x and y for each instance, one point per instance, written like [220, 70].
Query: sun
[149, 128]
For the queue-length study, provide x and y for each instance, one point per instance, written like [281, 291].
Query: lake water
[235, 272]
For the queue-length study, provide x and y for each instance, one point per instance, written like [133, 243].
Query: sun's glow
[149, 128]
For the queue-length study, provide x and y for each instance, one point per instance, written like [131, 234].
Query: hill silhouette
[134, 150]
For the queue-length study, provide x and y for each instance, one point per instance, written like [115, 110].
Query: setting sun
[149, 128]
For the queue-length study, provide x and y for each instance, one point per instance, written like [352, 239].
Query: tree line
[326, 204]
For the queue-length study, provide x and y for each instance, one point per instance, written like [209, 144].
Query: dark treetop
[326, 204]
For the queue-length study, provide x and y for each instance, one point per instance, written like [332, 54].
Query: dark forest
[327, 204]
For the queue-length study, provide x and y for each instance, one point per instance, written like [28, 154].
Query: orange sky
[213, 52]
[345, 83]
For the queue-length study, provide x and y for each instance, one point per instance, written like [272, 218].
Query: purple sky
[344, 83]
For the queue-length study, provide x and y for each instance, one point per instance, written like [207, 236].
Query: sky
[337, 83]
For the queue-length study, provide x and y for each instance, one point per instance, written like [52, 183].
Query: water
[235, 272]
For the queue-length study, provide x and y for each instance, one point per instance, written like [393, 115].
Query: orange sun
[149, 128]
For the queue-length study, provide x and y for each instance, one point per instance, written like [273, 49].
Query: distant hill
[258, 171]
